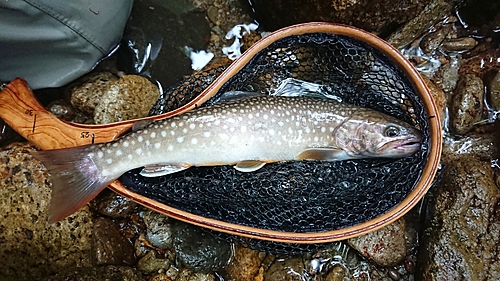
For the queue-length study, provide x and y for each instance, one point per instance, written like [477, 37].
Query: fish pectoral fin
[141, 124]
[158, 170]
[328, 154]
[249, 165]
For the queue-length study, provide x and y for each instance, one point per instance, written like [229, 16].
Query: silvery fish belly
[246, 133]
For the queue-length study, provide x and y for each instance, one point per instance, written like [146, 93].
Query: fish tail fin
[75, 179]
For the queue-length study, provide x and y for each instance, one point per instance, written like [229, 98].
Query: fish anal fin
[158, 170]
[249, 165]
[327, 154]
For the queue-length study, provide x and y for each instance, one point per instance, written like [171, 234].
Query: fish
[246, 133]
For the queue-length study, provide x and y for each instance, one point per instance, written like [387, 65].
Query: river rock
[153, 263]
[438, 96]
[188, 275]
[86, 93]
[130, 97]
[459, 44]
[494, 92]
[462, 234]
[29, 246]
[385, 246]
[158, 229]
[467, 104]
[244, 265]
[199, 250]
[288, 269]
[113, 205]
[109, 245]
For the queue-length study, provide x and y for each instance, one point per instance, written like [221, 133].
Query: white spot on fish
[118, 153]
[207, 134]
[250, 116]
[331, 129]
[164, 133]
[194, 141]
[223, 136]
[157, 145]
[323, 129]
[185, 130]
[170, 147]
[100, 154]
[153, 135]
[290, 130]
[192, 126]
[180, 139]
[272, 111]
[217, 122]
[265, 116]
[172, 133]
[109, 161]
[271, 132]
[115, 144]
[125, 144]
[138, 151]
[307, 130]
[316, 138]
[181, 124]
[243, 129]
[281, 123]
[231, 129]
[139, 138]
[172, 125]
[130, 156]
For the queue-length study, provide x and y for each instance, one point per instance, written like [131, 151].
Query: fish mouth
[408, 145]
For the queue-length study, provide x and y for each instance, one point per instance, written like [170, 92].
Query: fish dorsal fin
[249, 165]
[141, 124]
[236, 95]
[327, 154]
[158, 170]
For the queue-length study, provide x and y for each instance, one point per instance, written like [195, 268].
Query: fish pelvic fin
[75, 180]
[248, 166]
[326, 154]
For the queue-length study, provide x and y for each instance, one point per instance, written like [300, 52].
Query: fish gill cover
[301, 196]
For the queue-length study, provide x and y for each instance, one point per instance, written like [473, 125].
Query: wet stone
[467, 104]
[199, 250]
[29, 246]
[128, 98]
[188, 275]
[459, 44]
[244, 265]
[109, 245]
[433, 40]
[289, 269]
[460, 241]
[113, 205]
[385, 246]
[153, 263]
[158, 229]
[62, 110]
[494, 92]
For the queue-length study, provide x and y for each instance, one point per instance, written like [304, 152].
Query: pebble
[158, 229]
[130, 97]
[113, 205]
[431, 41]
[290, 269]
[109, 245]
[385, 246]
[467, 105]
[459, 44]
[244, 265]
[62, 110]
[153, 263]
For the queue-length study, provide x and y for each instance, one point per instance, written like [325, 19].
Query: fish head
[369, 134]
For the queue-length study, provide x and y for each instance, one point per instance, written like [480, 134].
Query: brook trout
[246, 133]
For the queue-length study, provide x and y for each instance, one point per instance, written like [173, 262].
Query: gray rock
[151, 263]
[467, 104]
[109, 245]
[385, 246]
[198, 250]
[30, 246]
[461, 238]
[158, 229]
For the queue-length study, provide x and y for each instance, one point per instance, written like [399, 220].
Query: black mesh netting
[309, 196]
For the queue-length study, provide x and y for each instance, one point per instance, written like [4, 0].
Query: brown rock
[459, 44]
[289, 269]
[244, 265]
[494, 92]
[86, 96]
[128, 98]
[467, 104]
[433, 40]
[109, 245]
[385, 246]
[461, 238]
[30, 246]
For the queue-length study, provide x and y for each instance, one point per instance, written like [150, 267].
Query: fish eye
[391, 131]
